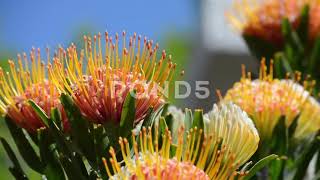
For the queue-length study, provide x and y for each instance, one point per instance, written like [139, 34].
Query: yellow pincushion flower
[309, 119]
[100, 88]
[267, 99]
[229, 141]
[262, 19]
[28, 82]
[229, 122]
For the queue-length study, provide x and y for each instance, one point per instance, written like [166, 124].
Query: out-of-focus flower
[267, 99]
[309, 119]
[229, 141]
[314, 20]
[263, 19]
[25, 83]
[100, 88]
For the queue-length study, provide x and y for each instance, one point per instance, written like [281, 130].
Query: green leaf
[16, 173]
[40, 112]
[293, 127]
[198, 119]
[260, 165]
[71, 171]
[64, 145]
[24, 147]
[148, 120]
[161, 130]
[294, 49]
[285, 63]
[188, 119]
[280, 136]
[303, 27]
[128, 114]
[16, 170]
[278, 66]
[102, 145]
[280, 146]
[162, 126]
[314, 62]
[79, 128]
[169, 121]
[112, 132]
[49, 156]
[304, 160]
[164, 109]
[260, 48]
[57, 135]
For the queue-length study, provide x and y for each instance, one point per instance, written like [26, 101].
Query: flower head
[263, 19]
[267, 99]
[314, 21]
[22, 84]
[100, 88]
[228, 142]
[309, 119]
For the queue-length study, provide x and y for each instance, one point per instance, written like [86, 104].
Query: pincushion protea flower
[228, 142]
[263, 19]
[267, 99]
[309, 119]
[101, 87]
[22, 84]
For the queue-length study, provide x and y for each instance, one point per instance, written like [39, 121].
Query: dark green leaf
[260, 48]
[293, 127]
[169, 121]
[278, 66]
[314, 62]
[304, 160]
[16, 170]
[260, 165]
[280, 136]
[188, 119]
[58, 136]
[148, 120]
[72, 172]
[49, 156]
[40, 112]
[128, 114]
[198, 119]
[164, 109]
[26, 150]
[303, 27]
[79, 128]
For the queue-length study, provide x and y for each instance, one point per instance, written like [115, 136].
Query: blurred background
[195, 32]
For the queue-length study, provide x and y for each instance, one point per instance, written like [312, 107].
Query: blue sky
[40, 23]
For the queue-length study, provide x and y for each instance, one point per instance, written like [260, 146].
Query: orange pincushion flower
[21, 85]
[314, 21]
[263, 19]
[101, 87]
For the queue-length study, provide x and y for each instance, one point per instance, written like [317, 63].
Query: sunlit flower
[229, 141]
[21, 84]
[267, 99]
[229, 122]
[101, 87]
[262, 19]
